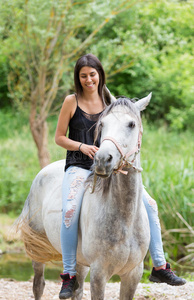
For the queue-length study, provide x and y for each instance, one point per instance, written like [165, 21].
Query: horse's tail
[37, 245]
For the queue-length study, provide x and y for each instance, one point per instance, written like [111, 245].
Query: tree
[157, 39]
[45, 38]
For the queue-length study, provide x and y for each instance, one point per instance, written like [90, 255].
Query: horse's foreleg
[98, 279]
[129, 282]
[38, 283]
[81, 275]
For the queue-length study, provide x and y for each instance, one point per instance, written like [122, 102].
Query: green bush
[168, 175]
[19, 162]
[154, 41]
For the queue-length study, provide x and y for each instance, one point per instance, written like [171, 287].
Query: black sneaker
[166, 276]
[69, 285]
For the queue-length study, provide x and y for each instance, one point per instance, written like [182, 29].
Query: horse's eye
[131, 124]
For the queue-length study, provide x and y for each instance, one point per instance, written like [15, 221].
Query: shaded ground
[23, 291]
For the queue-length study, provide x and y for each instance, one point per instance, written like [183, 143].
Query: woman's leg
[161, 271]
[72, 195]
[156, 247]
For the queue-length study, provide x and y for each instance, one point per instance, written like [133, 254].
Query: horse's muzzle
[102, 176]
[103, 165]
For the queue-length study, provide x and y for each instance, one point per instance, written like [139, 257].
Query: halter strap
[109, 138]
[128, 154]
[124, 162]
[124, 157]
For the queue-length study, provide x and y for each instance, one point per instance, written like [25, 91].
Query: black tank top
[81, 129]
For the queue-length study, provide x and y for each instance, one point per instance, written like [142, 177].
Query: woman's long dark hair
[89, 60]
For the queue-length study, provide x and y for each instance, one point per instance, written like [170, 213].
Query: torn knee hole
[71, 199]
[69, 215]
[152, 203]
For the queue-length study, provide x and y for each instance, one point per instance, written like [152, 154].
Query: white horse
[114, 231]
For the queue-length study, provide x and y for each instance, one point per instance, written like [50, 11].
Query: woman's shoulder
[70, 99]
[69, 105]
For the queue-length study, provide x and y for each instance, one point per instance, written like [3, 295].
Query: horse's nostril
[109, 158]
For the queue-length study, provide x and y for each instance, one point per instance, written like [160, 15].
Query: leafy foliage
[148, 49]
[143, 47]
[45, 40]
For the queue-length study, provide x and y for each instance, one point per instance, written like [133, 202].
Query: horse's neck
[126, 191]
[132, 182]
[126, 185]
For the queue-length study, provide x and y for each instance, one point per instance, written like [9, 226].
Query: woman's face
[89, 79]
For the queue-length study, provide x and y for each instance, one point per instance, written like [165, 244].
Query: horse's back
[44, 199]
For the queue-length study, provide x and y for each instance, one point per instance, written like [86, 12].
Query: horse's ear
[107, 97]
[142, 103]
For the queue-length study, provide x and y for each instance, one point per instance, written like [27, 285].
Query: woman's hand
[88, 150]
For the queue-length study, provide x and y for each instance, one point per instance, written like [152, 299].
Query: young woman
[80, 113]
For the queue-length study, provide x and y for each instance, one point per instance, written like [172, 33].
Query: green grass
[168, 175]
[168, 163]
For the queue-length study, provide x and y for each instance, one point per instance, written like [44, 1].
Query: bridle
[124, 157]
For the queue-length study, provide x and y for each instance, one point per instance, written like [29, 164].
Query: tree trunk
[39, 130]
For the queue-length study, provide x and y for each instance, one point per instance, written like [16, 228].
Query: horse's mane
[128, 106]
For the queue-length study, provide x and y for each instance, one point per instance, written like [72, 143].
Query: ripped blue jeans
[72, 195]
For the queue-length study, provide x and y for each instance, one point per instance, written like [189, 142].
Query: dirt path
[19, 290]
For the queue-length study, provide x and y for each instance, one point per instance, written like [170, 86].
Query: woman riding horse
[79, 113]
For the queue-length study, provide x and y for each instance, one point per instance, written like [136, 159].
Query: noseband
[124, 157]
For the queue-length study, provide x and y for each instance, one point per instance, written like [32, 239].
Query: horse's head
[120, 130]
